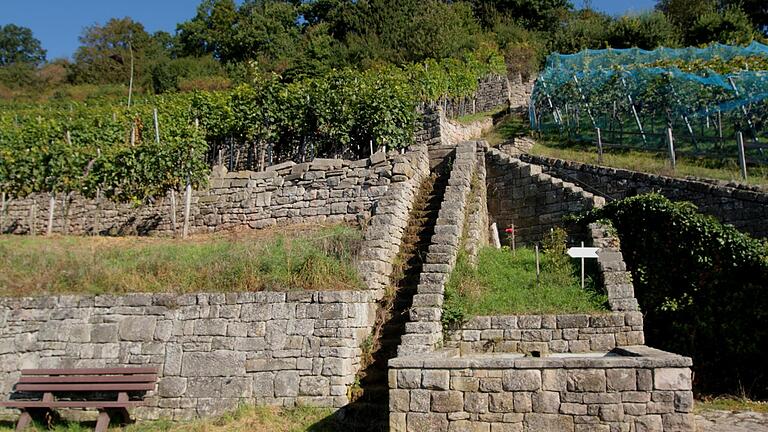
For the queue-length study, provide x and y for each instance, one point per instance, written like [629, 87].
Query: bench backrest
[87, 380]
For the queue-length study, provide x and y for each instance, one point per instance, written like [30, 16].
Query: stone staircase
[369, 410]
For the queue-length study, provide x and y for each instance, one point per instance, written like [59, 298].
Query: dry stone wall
[545, 334]
[492, 91]
[213, 351]
[742, 206]
[638, 389]
[324, 190]
[476, 231]
[520, 193]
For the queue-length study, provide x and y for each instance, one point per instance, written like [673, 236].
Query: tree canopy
[227, 42]
[18, 45]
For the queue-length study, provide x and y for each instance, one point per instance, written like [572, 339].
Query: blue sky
[58, 23]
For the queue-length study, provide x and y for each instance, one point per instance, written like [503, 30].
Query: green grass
[654, 163]
[244, 419]
[303, 257]
[471, 118]
[505, 283]
[511, 127]
[725, 403]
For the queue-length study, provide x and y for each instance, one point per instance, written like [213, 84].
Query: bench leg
[24, 420]
[102, 423]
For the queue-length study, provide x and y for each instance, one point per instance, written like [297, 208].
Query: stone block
[399, 400]
[475, 402]
[216, 363]
[501, 402]
[523, 403]
[546, 402]
[521, 380]
[427, 422]
[104, 333]
[447, 401]
[435, 379]
[678, 422]
[264, 384]
[137, 328]
[313, 386]
[672, 379]
[621, 379]
[409, 378]
[535, 422]
[170, 387]
[286, 384]
[684, 401]
[586, 380]
[649, 423]
[420, 400]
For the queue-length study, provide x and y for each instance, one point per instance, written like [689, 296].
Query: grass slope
[505, 283]
[304, 257]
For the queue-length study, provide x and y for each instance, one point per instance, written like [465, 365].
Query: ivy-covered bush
[703, 288]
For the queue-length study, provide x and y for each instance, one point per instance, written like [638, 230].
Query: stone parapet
[633, 388]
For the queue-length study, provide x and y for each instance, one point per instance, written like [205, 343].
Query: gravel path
[729, 421]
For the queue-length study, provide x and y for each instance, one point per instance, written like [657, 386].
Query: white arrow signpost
[583, 252]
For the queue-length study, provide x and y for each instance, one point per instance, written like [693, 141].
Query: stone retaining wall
[545, 334]
[744, 207]
[325, 190]
[384, 232]
[520, 193]
[492, 91]
[477, 231]
[642, 390]
[213, 351]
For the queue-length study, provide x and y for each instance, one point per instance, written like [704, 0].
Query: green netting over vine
[705, 95]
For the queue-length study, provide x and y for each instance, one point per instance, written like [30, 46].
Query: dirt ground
[729, 421]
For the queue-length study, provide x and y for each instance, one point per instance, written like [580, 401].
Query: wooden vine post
[2, 211]
[188, 195]
[51, 208]
[171, 190]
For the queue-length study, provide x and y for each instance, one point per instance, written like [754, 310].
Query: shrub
[702, 287]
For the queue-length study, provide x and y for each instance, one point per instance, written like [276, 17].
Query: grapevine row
[160, 143]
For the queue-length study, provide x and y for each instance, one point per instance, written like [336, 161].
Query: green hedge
[703, 287]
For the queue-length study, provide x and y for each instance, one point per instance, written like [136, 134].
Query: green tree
[647, 31]
[104, 56]
[683, 13]
[584, 29]
[210, 29]
[757, 10]
[533, 14]
[730, 26]
[18, 45]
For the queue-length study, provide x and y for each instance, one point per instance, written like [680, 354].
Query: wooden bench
[40, 391]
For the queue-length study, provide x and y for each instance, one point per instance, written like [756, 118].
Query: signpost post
[583, 252]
